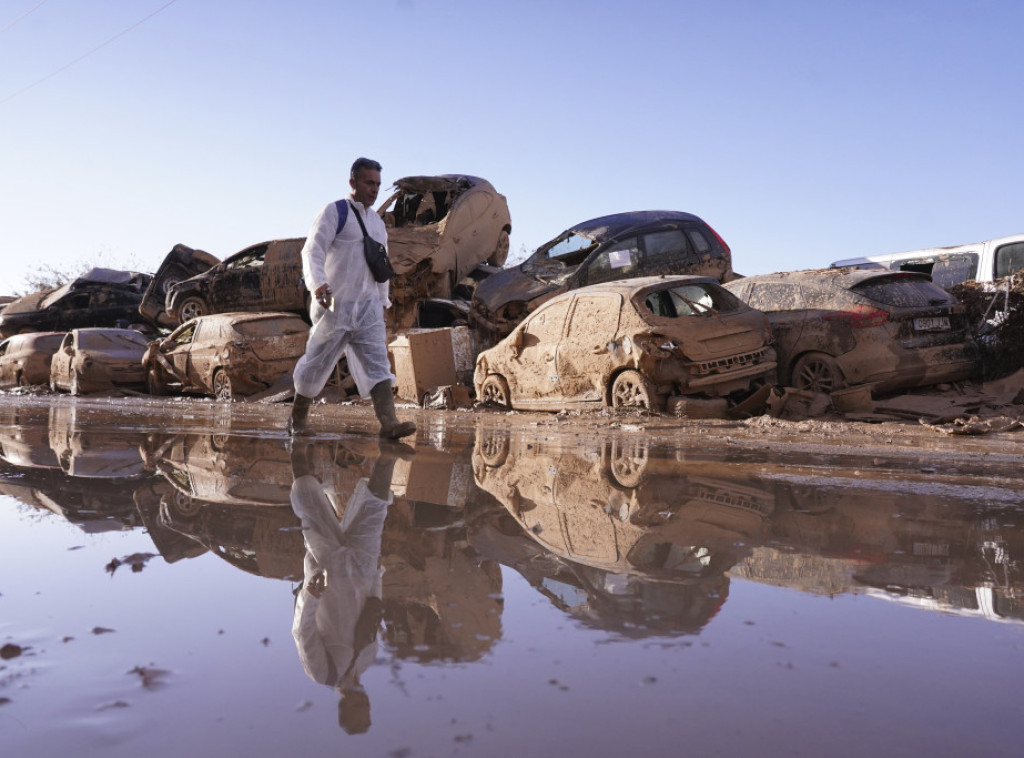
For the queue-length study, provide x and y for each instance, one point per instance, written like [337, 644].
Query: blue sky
[803, 131]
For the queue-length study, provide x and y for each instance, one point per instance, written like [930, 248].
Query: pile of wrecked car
[639, 310]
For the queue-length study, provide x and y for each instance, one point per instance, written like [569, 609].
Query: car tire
[494, 391]
[631, 389]
[500, 254]
[628, 462]
[222, 389]
[192, 307]
[494, 449]
[817, 372]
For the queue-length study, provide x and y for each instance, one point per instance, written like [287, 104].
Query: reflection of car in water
[649, 556]
[633, 343]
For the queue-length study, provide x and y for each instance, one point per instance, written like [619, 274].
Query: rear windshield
[109, 340]
[270, 327]
[691, 300]
[904, 291]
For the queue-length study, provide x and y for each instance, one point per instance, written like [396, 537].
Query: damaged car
[25, 358]
[99, 298]
[226, 355]
[263, 277]
[620, 246]
[440, 228]
[629, 344]
[99, 360]
[183, 262]
[835, 328]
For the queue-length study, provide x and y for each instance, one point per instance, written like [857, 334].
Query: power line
[85, 55]
[19, 18]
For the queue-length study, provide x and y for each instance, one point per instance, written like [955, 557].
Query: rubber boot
[298, 425]
[384, 406]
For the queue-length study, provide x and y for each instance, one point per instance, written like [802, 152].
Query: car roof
[439, 182]
[240, 316]
[619, 223]
[842, 277]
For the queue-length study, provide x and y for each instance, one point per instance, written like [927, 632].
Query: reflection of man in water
[338, 610]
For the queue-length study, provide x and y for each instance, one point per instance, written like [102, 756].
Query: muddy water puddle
[177, 578]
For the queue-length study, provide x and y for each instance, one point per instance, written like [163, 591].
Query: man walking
[347, 308]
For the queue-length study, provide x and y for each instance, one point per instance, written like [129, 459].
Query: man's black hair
[362, 163]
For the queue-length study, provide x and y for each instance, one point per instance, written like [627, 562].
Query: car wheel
[633, 390]
[628, 462]
[817, 372]
[181, 506]
[494, 449]
[192, 307]
[494, 391]
[19, 379]
[222, 385]
[500, 253]
[154, 383]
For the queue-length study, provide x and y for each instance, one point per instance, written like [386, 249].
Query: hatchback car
[25, 358]
[101, 297]
[99, 360]
[632, 343]
[263, 277]
[838, 327]
[620, 246]
[226, 355]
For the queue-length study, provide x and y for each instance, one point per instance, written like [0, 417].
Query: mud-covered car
[181, 263]
[620, 246]
[25, 358]
[99, 298]
[226, 355]
[632, 343]
[439, 229]
[834, 328]
[99, 360]
[262, 277]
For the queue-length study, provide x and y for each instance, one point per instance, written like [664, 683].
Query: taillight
[858, 316]
[718, 237]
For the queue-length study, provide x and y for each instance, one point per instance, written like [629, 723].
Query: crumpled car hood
[511, 285]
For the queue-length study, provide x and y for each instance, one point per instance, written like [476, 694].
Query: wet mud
[179, 576]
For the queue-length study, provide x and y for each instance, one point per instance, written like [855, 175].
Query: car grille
[721, 365]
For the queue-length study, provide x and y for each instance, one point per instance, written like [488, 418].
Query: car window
[571, 250]
[546, 325]
[670, 243]
[775, 296]
[699, 241]
[254, 257]
[1009, 259]
[903, 291]
[595, 314]
[75, 302]
[185, 335]
[691, 300]
[945, 270]
[618, 261]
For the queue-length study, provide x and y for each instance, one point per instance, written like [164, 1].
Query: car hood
[511, 285]
[27, 304]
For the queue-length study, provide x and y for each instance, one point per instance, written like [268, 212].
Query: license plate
[932, 324]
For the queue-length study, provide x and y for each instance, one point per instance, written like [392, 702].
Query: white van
[948, 266]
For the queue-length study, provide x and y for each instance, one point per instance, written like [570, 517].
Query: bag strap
[360, 220]
[342, 207]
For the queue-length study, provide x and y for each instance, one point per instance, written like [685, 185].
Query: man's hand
[323, 295]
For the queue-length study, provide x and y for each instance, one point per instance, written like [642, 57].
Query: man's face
[365, 186]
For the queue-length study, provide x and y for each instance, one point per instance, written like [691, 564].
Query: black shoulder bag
[376, 254]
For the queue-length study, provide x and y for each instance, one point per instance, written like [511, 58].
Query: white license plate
[932, 324]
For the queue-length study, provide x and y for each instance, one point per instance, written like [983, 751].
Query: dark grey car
[619, 246]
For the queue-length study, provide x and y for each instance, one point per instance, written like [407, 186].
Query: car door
[584, 357]
[536, 377]
[620, 260]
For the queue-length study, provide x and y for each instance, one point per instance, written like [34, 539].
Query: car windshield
[691, 300]
[903, 291]
[569, 249]
[270, 327]
[108, 340]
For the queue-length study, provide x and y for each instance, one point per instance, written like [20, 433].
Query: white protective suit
[354, 325]
[348, 554]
